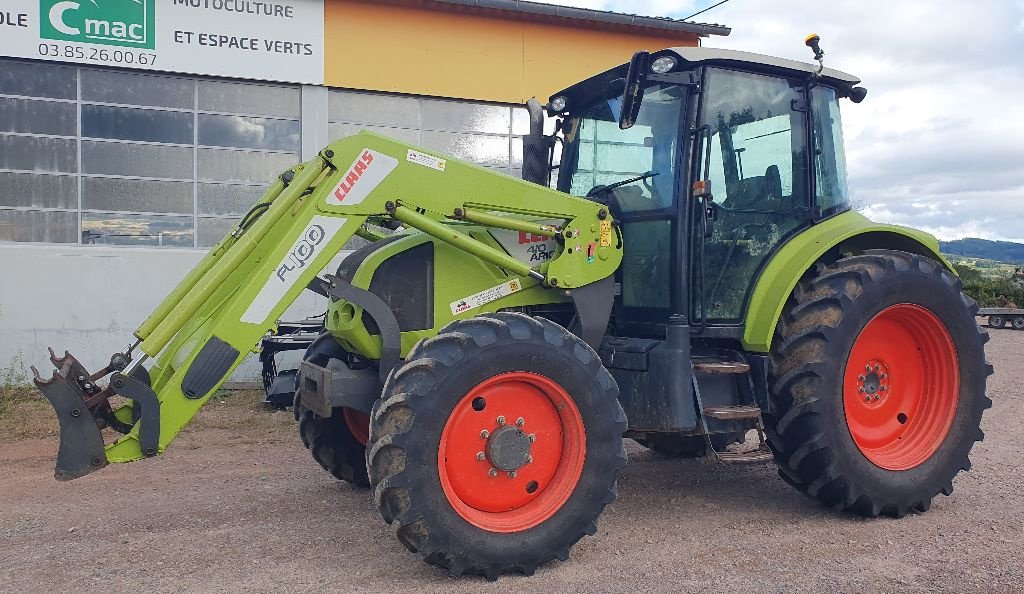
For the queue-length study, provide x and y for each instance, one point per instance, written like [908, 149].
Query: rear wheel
[497, 445]
[890, 426]
[337, 443]
[996, 321]
[1018, 322]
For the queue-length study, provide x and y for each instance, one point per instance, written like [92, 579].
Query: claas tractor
[680, 265]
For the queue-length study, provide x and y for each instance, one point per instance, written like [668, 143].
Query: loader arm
[221, 310]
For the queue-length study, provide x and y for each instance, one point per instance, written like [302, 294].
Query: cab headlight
[663, 65]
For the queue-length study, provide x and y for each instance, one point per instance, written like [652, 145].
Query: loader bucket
[81, 444]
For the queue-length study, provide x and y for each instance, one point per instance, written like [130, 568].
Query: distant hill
[972, 247]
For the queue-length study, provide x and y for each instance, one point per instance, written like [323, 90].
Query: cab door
[758, 166]
[637, 172]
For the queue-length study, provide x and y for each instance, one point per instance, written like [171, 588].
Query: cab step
[748, 412]
[732, 413]
[751, 457]
[720, 367]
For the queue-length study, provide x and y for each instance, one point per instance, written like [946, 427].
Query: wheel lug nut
[511, 474]
[883, 388]
[861, 389]
[867, 368]
[877, 367]
[867, 399]
[877, 397]
[520, 422]
[501, 420]
[532, 437]
[861, 377]
[480, 455]
[492, 473]
[485, 434]
[529, 459]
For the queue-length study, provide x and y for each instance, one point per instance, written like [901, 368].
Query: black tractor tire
[1017, 322]
[828, 312]
[422, 401]
[687, 446]
[329, 440]
[996, 321]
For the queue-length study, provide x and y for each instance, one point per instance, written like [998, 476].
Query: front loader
[696, 276]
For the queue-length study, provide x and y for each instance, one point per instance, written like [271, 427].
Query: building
[134, 133]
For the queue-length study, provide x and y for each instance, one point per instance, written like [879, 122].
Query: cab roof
[724, 57]
[708, 56]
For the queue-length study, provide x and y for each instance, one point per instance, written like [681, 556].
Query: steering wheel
[655, 194]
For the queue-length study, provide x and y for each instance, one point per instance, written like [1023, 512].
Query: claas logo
[353, 176]
[525, 238]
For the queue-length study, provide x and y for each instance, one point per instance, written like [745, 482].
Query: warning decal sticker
[426, 160]
[486, 296]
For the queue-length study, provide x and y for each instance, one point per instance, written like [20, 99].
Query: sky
[939, 142]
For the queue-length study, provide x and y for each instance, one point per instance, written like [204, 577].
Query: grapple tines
[81, 444]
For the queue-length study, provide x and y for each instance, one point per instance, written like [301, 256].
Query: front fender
[849, 231]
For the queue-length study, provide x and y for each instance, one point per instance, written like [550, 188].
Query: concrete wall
[89, 300]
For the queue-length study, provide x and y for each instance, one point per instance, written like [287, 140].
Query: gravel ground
[236, 504]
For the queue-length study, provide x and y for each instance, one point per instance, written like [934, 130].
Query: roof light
[663, 64]
[558, 104]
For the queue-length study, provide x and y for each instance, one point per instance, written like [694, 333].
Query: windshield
[598, 153]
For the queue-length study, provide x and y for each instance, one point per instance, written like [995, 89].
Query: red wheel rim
[358, 424]
[487, 476]
[901, 387]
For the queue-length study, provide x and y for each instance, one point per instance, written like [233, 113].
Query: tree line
[992, 291]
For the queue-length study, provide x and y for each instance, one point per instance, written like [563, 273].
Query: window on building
[488, 135]
[106, 157]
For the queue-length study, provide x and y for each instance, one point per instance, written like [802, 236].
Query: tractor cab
[710, 160]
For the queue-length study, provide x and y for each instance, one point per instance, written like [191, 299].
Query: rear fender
[847, 232]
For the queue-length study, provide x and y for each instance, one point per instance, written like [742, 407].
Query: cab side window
[831, 191]
[759, 173]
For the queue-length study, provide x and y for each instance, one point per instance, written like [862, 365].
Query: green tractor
[696, 276]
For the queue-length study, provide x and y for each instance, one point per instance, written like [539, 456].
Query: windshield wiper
[598, 190]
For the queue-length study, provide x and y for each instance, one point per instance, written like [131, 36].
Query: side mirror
[857, 94]
[633, 95]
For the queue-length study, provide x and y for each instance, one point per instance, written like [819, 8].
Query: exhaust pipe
[536, 148]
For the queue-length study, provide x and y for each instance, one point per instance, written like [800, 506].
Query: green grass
[24, 413]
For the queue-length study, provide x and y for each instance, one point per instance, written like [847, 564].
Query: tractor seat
[751, 191]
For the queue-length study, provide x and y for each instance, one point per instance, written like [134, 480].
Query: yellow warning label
[606, 233]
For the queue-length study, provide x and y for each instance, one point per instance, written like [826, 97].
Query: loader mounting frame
[234, 297]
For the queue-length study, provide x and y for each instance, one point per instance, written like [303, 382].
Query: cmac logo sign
[128, 23]
[362, 177]
[303, 251]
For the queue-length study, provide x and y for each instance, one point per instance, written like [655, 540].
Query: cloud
[939, 142]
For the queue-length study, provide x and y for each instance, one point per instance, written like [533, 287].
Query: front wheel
[878, 377]
[337, 443]
[496, 445]
[996, 321]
